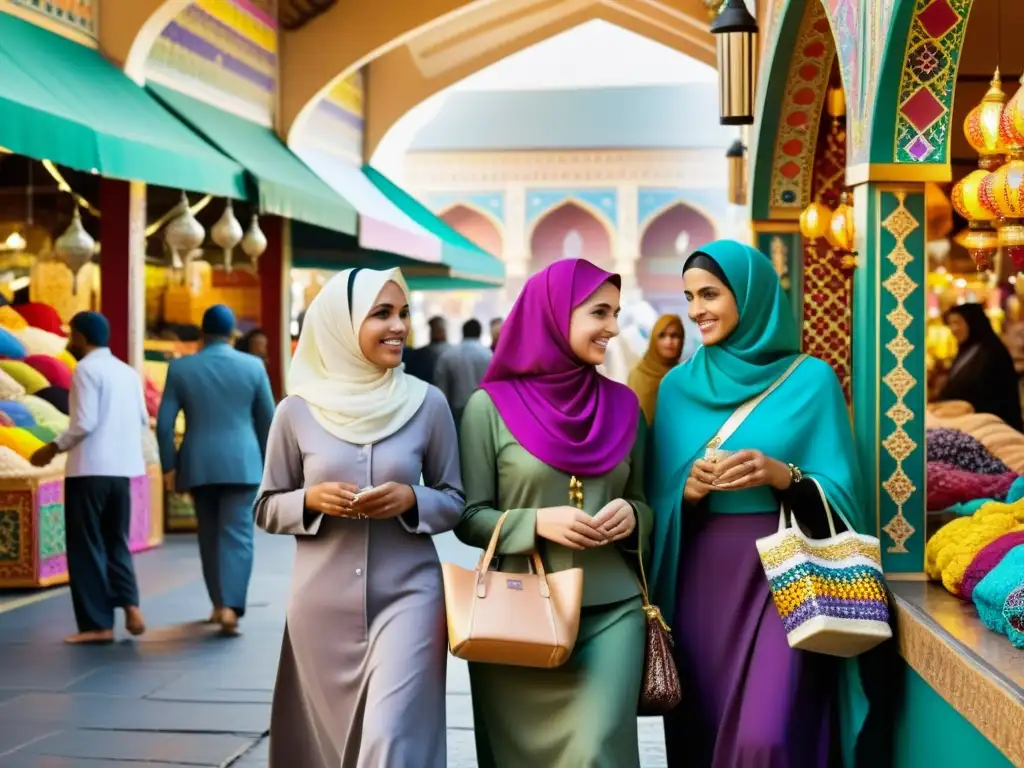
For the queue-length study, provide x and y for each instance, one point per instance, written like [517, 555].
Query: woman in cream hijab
[361, 682]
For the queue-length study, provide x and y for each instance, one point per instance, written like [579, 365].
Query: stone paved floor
[180, 695]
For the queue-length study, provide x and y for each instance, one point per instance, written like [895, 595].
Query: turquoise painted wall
[931, 734]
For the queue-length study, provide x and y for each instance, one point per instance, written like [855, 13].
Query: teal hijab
[804, 422]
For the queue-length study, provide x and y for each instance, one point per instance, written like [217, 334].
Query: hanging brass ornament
[75, 247]
[227, 233]
[255, 242]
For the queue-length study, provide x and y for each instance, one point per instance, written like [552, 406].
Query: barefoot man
[104, 446]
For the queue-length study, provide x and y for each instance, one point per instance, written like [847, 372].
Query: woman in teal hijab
[750, 699]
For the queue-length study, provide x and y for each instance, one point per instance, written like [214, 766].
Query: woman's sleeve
[440, 500]
[281, 501]
[479, 438]
[639, 540]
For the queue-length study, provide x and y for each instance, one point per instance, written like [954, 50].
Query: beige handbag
[518, 619]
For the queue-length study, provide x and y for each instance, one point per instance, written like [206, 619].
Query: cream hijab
[348, 395]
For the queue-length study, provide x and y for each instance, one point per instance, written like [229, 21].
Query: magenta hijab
[561, 410]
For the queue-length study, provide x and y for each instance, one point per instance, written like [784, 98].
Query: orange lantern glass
[1011, 124]
[814, 221]
[982, 127]
[967, 197]
[841, 227]
[1002, 191]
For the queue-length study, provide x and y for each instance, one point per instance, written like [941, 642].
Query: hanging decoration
[184, 234]
[818, 220]
[736, 157]
[255, 242]
[227, 233]
[735, 32]
[75, 247]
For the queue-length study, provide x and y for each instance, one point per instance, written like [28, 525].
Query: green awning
[286, 186]
[468, 266]
[64, 102]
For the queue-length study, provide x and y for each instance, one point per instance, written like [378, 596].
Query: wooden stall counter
[964, 699]
[32, 543]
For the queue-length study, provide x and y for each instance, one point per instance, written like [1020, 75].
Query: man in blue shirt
[104, 447]
[225, 395]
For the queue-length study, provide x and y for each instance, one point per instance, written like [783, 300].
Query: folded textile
[948, 485]
[10, 345]
[43, 316]
[950, 551]
[23, 373]
[56, 397]
[19, 414]
[55, 371]
[44, 413]
[14, 466]
[20, 441]
[991, 593]
[9, 388]
[989, 557]
[951, 446]
[10, 319]
[36, 341]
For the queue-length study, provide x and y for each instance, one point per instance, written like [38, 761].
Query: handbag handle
[828, 511]
[485, 563]
[652, 611]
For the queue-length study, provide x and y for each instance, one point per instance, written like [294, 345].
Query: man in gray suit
[228, 407]
[461, 368]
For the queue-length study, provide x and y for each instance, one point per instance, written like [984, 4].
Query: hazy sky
[591, 55]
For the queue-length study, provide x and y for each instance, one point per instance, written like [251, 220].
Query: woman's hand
[334, 499]
[616, 520]
[385, 501]
[750, 469]
[570, 527]
[699, 483]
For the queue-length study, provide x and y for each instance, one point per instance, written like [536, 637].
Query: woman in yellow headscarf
[663, 353]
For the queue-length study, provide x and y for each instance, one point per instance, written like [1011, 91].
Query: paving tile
[180, 748]
[111, 713]
[16, 735]
[119, 681]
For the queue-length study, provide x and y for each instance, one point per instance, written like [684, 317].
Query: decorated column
[890, 387]
[273, 264]
[627, 242]
[781, 241]
[515, 249]
[123, 266]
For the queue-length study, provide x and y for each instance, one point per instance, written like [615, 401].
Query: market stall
[35, 375]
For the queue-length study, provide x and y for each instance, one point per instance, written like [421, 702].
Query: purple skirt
[749, 700]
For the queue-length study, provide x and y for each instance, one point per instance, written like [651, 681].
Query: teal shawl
[804, 422]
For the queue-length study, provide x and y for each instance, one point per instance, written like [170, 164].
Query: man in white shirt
[104, 446]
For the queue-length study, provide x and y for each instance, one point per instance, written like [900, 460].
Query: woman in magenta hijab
[543, 417]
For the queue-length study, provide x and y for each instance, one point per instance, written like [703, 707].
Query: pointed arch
[469, 205]
[659, 269]
[565, 222]
[473, 224]
[583, 205]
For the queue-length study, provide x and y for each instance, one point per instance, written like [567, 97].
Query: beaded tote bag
[830, 593]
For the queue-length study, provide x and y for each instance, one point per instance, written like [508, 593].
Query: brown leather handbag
[518, 619]
[660, 691]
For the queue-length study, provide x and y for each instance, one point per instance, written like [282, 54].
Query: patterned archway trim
[912, 121]
[806, 87]
[490, 202]
[782, 177]
[587, 207]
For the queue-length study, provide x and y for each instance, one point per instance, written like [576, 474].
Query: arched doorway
[666, 241]
[567, 232]
[474, 226]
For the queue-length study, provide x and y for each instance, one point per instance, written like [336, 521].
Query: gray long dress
[361, 682]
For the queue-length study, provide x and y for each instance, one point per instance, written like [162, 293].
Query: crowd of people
[378, 446]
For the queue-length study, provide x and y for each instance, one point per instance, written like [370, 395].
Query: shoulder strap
[740, 414]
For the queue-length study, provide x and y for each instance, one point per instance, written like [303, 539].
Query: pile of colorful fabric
[33, 352]
[981, 558]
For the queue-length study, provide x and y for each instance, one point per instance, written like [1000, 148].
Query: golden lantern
[1011, 122]
[983, 126]
[835, 103]
[841, 227]
[736, 158]
[735, 32]
[814, 221]
[980, 239]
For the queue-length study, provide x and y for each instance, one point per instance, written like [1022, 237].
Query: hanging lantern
[814, 221]
[841, 227]
[227, 233]
[75, 247]
[255, 242]
[980, 239]
[735, 32]
[835, 103]
[184, 233]
[983, 126]
[1011, 122]
[736, 158]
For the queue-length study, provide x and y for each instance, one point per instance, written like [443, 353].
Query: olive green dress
[583, 714]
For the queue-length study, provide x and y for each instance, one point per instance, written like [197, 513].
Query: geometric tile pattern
[928, 79]
[17, 563]
[79, 15]
[800, 113]
[898, 443]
